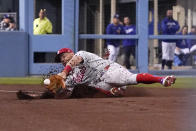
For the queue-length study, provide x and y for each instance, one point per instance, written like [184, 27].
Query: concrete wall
[13, 54]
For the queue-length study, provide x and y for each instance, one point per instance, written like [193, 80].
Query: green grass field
[21, 81]
[186, 82]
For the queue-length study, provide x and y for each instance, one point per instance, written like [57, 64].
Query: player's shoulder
[165, 19]
[81, 52]
[46, 19]
[121, 25]
[110, 25]
[84, 53]
[131, 26]
[36, 20]
[86, 56]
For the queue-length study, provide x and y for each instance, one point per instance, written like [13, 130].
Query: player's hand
[56, 82]
[63, 75]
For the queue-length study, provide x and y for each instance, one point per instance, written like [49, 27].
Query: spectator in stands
[113, 44]
[192, 43]
[5, 22]
[129, 44]
[12, 25]
[193, 46]
[182, 49]
[169, 27]
[42, 25]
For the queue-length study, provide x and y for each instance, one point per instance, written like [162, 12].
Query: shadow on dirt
[137, 92]
[88, 92]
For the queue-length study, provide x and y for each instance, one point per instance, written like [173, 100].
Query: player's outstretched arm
[76, 60]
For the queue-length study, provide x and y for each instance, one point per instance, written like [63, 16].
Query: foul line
[8, 91]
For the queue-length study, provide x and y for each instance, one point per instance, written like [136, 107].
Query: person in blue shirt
[192, 43]
[129, 44]
[113, 45]
[182, 49]
[169, 26]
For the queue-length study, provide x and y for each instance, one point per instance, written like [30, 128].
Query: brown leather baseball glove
[56, 89]
[56, 83]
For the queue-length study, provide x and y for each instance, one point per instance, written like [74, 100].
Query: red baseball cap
[59, 52]
[64, 50]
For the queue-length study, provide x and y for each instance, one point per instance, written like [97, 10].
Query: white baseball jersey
[99, 73]
[89, 71]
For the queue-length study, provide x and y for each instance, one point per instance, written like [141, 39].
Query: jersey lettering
[79, 77]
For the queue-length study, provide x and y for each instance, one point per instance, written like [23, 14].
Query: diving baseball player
[84, 68]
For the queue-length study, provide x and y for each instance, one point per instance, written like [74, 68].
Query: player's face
[126, 21]
[185, 30]
[66, 57]
[115, 20]
[41, 15]
[170, 13]
[6, 20]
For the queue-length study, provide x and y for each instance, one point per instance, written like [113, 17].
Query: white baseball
[46, 82]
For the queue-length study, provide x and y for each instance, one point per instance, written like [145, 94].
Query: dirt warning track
[143, 109]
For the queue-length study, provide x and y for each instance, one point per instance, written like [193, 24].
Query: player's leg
[127, 53]
[103, 87]
[171, 48]
[171, 54]
[117, 49]
[133, 51]
[149, 79]
[112, 52]
[110, 90]
[119, 76]
[185, 51]
[165, 52]
[193, 48]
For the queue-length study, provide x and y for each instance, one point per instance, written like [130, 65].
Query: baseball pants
[128, 50]
[113, 52]
[168, 49]
[116, 76]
